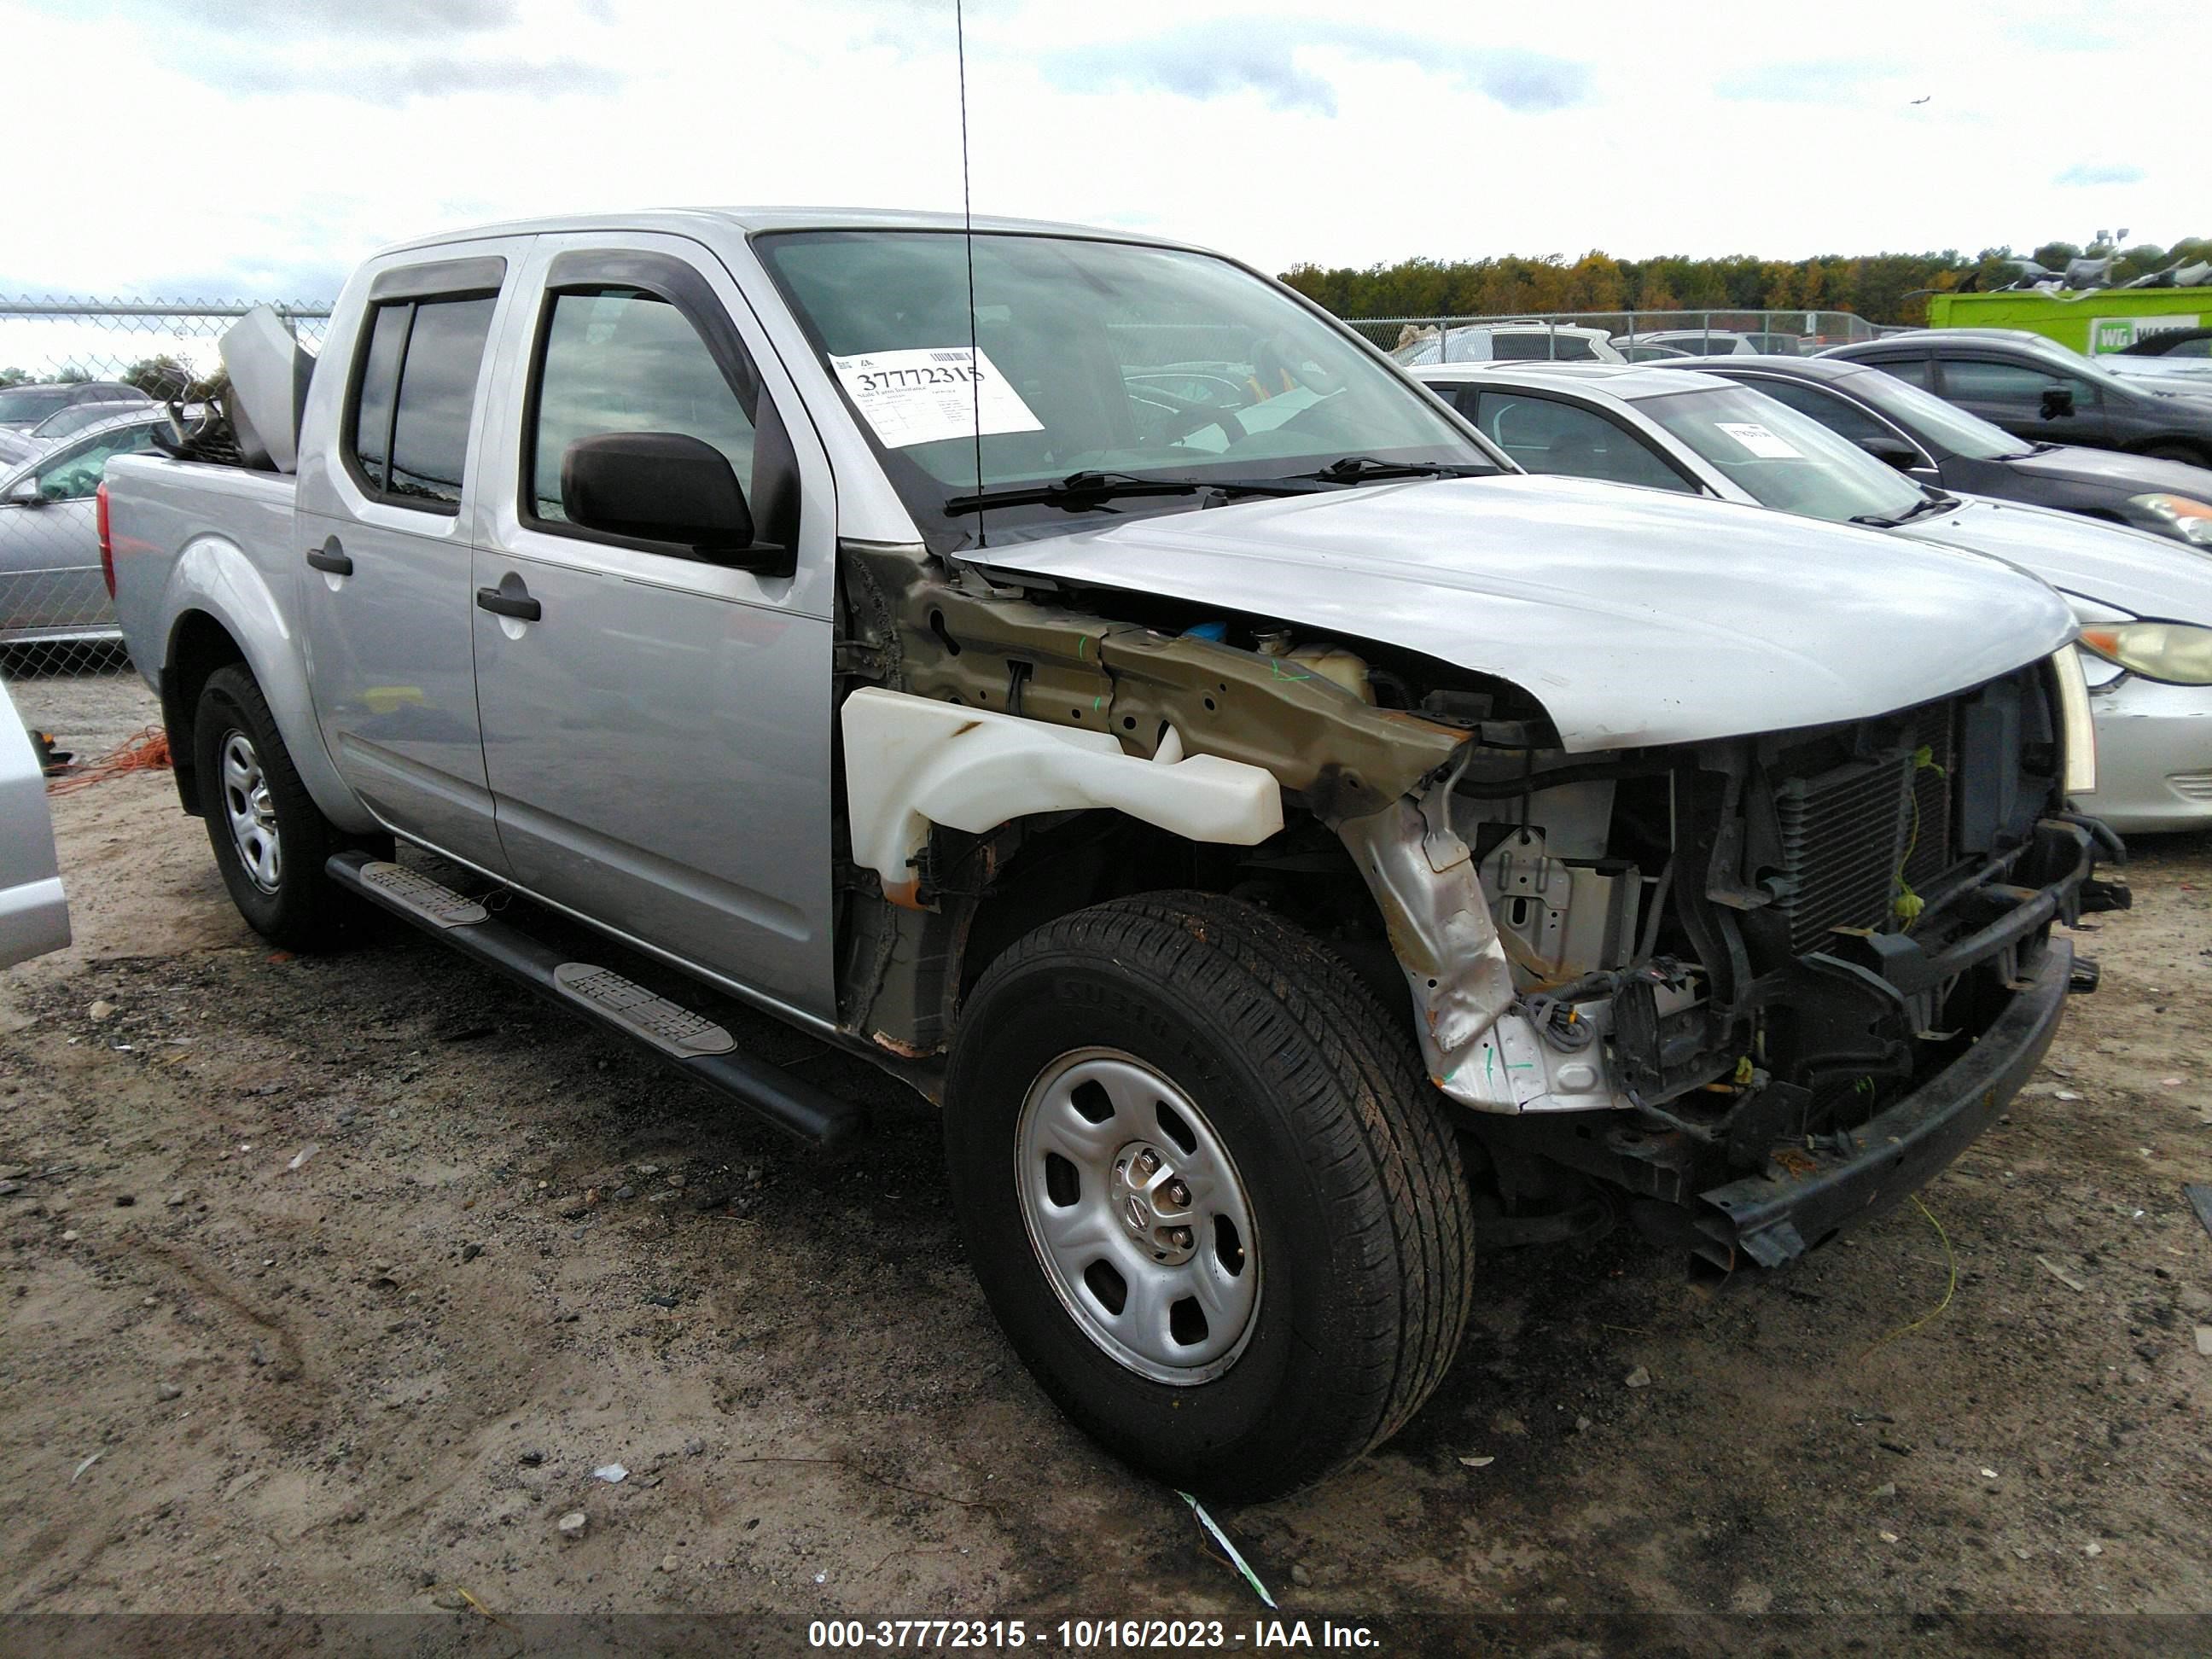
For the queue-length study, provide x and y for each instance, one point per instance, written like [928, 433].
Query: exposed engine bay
[1652, 966]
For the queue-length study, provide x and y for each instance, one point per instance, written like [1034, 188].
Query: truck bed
[162, 513]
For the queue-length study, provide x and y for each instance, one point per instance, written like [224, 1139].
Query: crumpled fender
[912, 761]
[1425, 881]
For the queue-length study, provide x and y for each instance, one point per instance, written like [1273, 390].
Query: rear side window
[622, 360]
[1846, 420]
[1461, 397]
[76, 474]
[1914, 371]
[413, 397]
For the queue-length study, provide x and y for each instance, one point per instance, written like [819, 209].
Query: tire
[1215, 1036]
[300, 909]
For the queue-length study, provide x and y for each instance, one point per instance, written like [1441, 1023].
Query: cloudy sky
[258, 147]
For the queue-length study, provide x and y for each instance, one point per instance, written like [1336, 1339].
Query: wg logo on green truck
[2119, 333]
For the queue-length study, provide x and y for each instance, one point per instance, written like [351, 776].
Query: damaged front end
[1766, 985]
[1761, 984]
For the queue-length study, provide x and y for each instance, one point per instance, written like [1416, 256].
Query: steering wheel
[1275, 366]
[1186, 416]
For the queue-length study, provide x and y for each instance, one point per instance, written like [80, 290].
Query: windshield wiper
[1926, 504]
[1361, 469]
[1078, 490]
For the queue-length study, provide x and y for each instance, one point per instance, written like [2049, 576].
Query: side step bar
[697, 1046]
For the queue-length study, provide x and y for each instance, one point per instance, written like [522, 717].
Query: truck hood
[2146, 575]
[1634, 616]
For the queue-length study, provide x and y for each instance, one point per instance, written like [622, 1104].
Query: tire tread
[1318, 1033]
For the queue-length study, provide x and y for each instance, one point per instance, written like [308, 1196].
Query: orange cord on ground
[145, 751]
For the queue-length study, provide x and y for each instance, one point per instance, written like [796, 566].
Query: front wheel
[1207, 1191]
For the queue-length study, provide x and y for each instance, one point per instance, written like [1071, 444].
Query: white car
[1694, 342]
[2145, 603]
[33, 912]
[2176, 374]
[1507, 342]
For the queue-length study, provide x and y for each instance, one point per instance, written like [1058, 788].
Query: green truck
[2091, 320]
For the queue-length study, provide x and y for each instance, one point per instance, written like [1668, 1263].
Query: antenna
[968, 245]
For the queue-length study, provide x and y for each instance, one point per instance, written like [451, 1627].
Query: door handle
[503, 602]
[332, 557]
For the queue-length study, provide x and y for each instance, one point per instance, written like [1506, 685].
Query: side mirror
[664, 486]
[2057, 401]
[25, 493]
[1894, 451]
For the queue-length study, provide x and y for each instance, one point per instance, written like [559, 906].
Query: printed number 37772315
[926, 395]
[900, 380]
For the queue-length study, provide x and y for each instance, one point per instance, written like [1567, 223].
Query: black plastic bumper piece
[789, 1103]
[1806, 1195]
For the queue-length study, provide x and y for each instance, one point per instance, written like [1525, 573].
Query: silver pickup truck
[1298, 850]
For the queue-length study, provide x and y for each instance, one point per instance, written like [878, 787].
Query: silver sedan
[51, 588]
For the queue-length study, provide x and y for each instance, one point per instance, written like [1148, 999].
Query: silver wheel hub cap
[1138, 1216]
[252, 814]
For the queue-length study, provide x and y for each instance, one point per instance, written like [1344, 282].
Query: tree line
[1882, 287]
[165, 376]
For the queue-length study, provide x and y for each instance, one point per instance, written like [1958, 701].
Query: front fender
[214, 577]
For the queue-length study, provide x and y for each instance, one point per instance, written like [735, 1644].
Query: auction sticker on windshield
[1761, 441]
[922, 396]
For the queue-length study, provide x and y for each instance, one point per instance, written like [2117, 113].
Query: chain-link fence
[1611, 335]
[82, 380]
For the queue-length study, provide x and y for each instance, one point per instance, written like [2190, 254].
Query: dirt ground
[331, 1282]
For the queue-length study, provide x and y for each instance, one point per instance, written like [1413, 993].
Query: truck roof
[747, 221]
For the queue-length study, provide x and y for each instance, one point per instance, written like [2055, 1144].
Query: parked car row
[2145, 604]
[1573, 342]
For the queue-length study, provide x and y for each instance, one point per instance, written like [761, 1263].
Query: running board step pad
[697, 1046]
[412, 890]
[649, 1018]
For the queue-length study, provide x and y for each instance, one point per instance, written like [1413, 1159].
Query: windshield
[28, 406]
[1781, 458]
[1946, 425]
[1095, 356]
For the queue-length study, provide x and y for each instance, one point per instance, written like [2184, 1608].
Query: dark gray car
[2037, 389]
[1940, 443]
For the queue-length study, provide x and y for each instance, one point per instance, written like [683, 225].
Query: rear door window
[413, 397]
[1914, 371]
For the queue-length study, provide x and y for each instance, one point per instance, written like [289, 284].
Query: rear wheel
[1207, 1191]
[270, 837]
